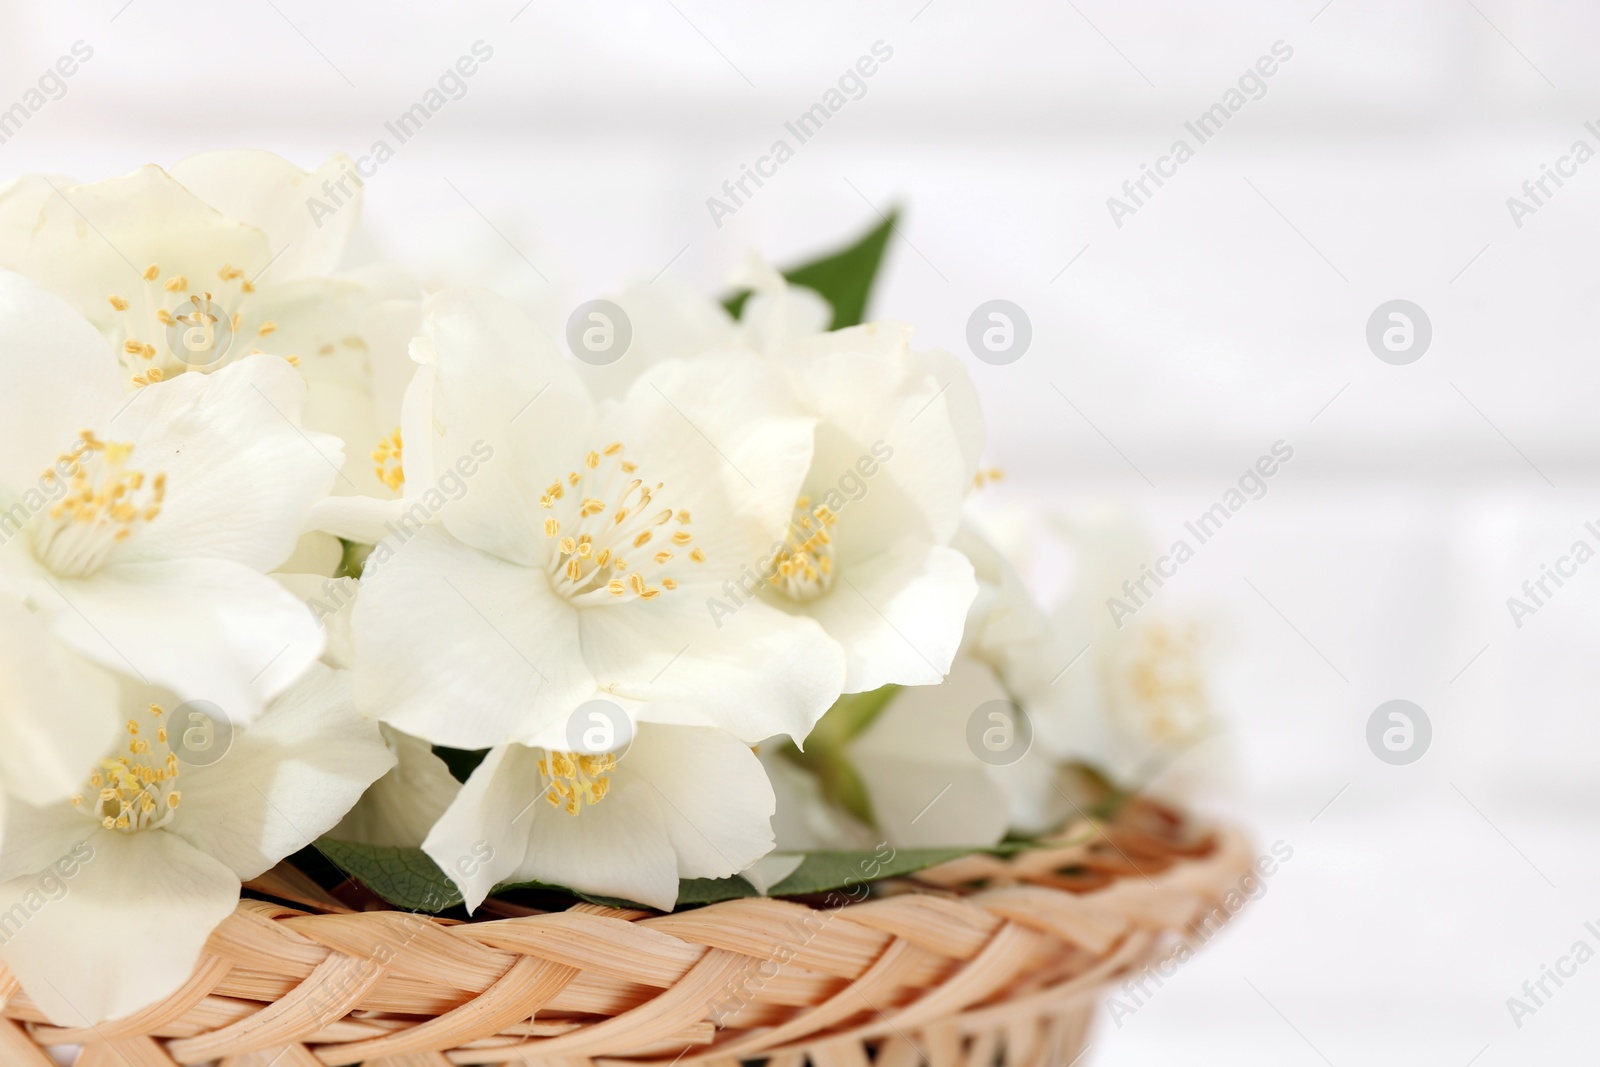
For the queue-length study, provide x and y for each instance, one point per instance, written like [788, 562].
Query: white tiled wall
[1227, 313]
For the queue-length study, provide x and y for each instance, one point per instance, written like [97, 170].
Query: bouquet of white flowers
[324, 589]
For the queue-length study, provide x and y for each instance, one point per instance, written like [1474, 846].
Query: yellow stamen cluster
[574, 780]
[390, 450]
[598, 513]
[136, 790]
[166, 305]
[987, 476]
[101, 503]
[803, 567]
[1162, 678]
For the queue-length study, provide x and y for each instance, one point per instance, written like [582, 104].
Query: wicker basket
[977, 962]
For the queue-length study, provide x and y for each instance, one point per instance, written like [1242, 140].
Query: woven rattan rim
[956, 966]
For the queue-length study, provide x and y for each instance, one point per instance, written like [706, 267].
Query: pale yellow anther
[551, 526]
[267, 329]
[390, 450]
[642, 539]
[176, 283]
[119, 303]
[152, 272]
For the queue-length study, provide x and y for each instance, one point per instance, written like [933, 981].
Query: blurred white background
[1228, 312]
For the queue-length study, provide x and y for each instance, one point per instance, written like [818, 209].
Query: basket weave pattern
[978, 961]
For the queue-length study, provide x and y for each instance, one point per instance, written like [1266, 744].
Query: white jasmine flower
[682, 802]
[1136, 698]
[218, 258]
[867, 552]
[156, 848]
[139, 528]
[579, 559]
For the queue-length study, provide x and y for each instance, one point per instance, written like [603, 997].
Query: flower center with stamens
[611, 539]
[803, 568]
[99, 501]
[135, 790]
[171, 325]
[574, 780]
[388, 461]
[1165, 683]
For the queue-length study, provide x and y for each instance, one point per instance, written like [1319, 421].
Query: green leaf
[405, 877]
[713, 890]
[821, 872]
[844, 278]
